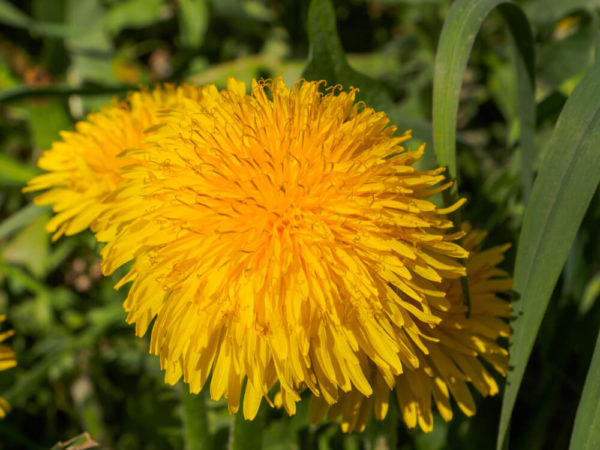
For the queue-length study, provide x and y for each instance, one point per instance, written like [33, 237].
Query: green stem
[247, 434]
[22, 92]
[196, 435]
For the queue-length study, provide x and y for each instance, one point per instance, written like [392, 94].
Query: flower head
[7, 361]
[453, 354]
[282, 237]
[84, 167]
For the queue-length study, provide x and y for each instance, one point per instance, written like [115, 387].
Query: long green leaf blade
[456, 41]
[21, 219]
[586, 435]
[567, 180]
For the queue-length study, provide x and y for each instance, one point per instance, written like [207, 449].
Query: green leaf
[132, 14]
[456, 41]
[587, 421]
[20, 219]
[46, 120]
[15, 173]
[30, 247]
[328, 60]
[91, 51]
[90, 17]
[193, 22]
[567, 179]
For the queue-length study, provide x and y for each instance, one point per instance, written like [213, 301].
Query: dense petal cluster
[7, 361]
[279, 239]
[454, 352]
[84, 167]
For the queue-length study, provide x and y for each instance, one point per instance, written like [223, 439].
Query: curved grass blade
[456, 41]
[587, 421]
[566, 182]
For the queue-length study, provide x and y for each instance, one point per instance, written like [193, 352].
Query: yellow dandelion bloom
[83, 167]
[453, 356]
[282, 236]
[7, 361]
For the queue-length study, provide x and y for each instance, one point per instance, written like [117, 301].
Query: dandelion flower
[7, 361]
[83, 167]
[283, 238]
[455, 348]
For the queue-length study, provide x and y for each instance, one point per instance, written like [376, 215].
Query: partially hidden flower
[458, 352]
[281, 237]
[84, 168]
[7, 361]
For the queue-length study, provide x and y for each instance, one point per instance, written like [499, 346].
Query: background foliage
[80, 366]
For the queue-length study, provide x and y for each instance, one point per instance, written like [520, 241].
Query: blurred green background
[80, 367]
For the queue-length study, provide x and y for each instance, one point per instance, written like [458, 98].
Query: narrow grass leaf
[586, 435]
[567, 179]
[456, 41]
[21, 219]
